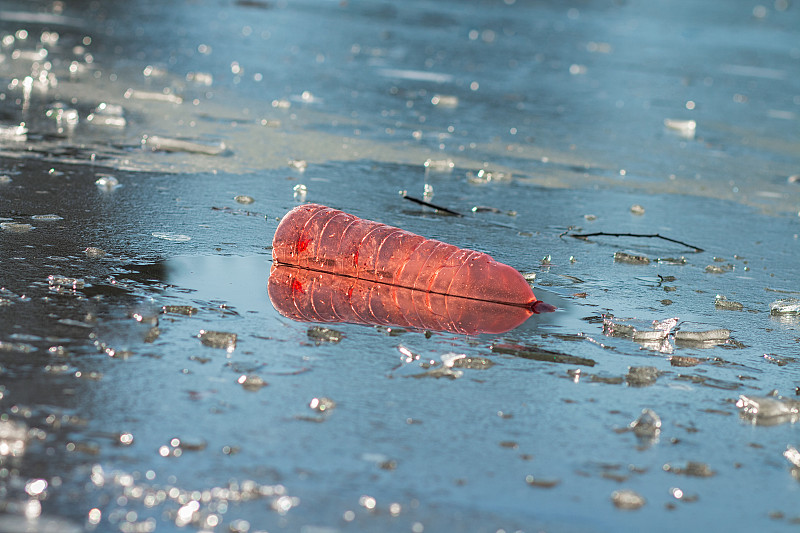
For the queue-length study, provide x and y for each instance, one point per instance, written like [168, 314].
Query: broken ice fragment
[47, 217]
[685, 128]
[768, 411]
[107, 183]
[637, 209]
[94, 253]
[439, 165]
[251, 382]
[244, 199]
[627, 499]
[168, 144]
[300, 191]
[319, 334]
[13, 438]
[133, 94]
[322, 404]
[713, 336]
[641, 376]
[793, 455]
[111, 115]
[721, 302]
[444, 100]
[13, 227]
[692, 469]
[299, 165]
[787, 306]
[648, 425]
[622, 257]
[186, 310]
[61, 282]
[218, 339]
[18, 133]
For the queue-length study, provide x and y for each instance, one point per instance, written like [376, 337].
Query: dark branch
[642, 235]
[432, 206]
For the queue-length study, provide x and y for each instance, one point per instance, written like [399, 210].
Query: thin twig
[643, 235]
[432, 206]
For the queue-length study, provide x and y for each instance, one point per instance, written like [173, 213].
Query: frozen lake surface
[148, 151]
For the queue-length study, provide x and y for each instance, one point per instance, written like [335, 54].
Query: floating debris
[251, 382]
[186, 310]
[14, 227]
[322, 404]
[439, 165]
[319, 335]
[218, 339]
[721, 302]
[109, 115]
[622, 257]
[692, 469]
[787, 306]
[169, 144]
[94, 253]
[627, 499]
[107, 183]
[244, 199]
[637, 209]
[61, 282]
[768, 410]
[47, 217]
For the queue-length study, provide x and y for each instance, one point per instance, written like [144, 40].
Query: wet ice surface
[148, 382]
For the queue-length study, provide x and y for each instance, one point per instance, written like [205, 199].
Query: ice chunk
[711, 336]
[14, 227]
[170, 144]
[787, 306]
[251, 382]
[169, 236]
[648, 425]
[244, 199]
[721, 302]
[218, 339]
[153, 96]
[684, 128]
[486, 176]
[62, 282]
[439, 165]
[322, 404]
[637, 209]
[299, 165]
[111, 115]
[300, 191]
[14, 133]
[641, 376]
[627, 499]
[444, 100]
[107, 183]
[319, 334]
[47, 217]
[768, 410]
[13, 438]
[622, 257]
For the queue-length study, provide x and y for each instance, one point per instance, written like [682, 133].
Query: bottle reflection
[313, 296]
